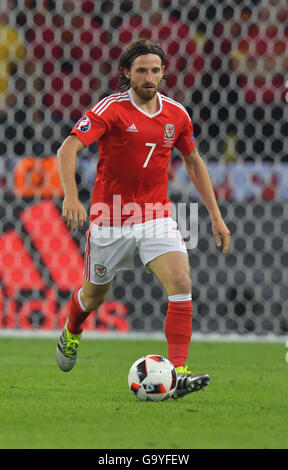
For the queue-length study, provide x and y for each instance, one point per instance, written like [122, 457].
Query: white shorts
[111, 249]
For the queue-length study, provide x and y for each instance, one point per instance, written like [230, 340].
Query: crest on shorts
[100, 270]
[169, 130]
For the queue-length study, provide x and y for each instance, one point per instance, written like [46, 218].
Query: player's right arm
[73, 212]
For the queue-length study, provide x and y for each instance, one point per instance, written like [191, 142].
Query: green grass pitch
[244, 407]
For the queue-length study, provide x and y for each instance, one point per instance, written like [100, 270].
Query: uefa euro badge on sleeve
[83, 124]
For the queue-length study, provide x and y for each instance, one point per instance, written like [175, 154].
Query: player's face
[145, 75]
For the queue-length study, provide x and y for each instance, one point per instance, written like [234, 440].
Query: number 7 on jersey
[148, 144]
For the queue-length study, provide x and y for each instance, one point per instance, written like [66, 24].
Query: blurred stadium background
[227, 64]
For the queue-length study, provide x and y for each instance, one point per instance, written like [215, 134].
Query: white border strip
[269, 338]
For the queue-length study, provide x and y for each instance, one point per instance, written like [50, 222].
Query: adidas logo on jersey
[132, 128]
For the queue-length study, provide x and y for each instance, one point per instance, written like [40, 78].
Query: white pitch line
[209, 337]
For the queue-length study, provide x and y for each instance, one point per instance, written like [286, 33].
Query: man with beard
[136, 130]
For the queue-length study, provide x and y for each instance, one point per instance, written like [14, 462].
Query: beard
[146, 91]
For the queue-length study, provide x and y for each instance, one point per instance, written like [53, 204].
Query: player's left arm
[199, 175]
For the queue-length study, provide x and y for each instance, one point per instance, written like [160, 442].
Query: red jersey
[134, 153]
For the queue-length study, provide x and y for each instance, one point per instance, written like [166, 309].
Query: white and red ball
[152, 378]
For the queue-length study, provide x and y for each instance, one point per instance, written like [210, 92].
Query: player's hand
[220, 230]
[73, 213]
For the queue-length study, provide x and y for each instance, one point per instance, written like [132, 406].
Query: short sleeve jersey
[134, 153]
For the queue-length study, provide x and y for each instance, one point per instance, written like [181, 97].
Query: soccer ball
[152, 378]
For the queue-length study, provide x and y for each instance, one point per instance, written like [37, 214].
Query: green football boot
[66, 351]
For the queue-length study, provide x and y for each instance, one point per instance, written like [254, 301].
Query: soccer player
[136, 130]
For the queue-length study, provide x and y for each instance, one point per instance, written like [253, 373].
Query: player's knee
[92, 303]
[181, 284]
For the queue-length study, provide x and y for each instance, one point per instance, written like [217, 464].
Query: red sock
[76, 315]
[178, 331]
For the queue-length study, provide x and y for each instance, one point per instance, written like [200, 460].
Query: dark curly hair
[142, 46]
